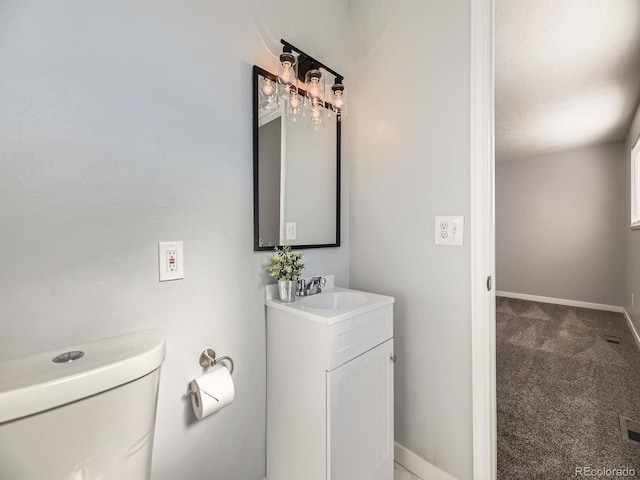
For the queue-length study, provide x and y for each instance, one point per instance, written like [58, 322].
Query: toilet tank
[82, 417]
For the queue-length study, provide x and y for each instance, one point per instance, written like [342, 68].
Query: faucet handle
[323, 281]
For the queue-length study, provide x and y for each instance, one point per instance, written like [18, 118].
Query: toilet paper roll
[211, 392]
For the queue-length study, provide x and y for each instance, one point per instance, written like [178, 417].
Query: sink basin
[334, 300]
[333, 305]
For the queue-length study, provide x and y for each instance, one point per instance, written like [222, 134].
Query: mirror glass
[296, 173]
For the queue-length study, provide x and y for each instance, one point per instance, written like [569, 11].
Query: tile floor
[400, 473]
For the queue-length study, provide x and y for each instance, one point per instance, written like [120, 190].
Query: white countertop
[326, 316]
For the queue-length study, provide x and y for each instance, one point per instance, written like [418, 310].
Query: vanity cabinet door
[360, 417]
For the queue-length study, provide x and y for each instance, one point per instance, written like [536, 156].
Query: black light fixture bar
[306, 62]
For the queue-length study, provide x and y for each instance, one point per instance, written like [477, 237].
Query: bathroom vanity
[330, 386]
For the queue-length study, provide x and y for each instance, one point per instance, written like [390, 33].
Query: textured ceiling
[567, 74]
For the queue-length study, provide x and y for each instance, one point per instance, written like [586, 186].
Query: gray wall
[632, 237]
[560, 225]
[410, 152]
[128, 123]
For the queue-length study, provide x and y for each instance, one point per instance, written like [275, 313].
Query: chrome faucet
[311, 287]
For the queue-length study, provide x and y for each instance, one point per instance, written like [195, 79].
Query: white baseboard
[418, 465]
[562, 301]
[632, 327]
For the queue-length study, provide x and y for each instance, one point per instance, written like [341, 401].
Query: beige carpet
[561, 388]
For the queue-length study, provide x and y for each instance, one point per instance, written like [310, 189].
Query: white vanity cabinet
[330, 391]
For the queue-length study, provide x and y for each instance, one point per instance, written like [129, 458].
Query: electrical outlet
[290, 230]
[172, 264]
[449, 230]
[170, 261]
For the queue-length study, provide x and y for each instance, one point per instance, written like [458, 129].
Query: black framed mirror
[296, 175]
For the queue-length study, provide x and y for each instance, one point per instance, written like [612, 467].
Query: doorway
[567, 364]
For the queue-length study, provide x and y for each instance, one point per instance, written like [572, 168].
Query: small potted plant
[285, 265]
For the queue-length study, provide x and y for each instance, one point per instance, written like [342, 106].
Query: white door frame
[483, 329]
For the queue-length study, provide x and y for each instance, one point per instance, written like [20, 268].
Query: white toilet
[90, 414]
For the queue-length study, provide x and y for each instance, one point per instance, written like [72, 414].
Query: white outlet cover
[163, 261]
[449, 230]
[291, 230]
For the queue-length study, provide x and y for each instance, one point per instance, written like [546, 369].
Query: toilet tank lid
[33, 383]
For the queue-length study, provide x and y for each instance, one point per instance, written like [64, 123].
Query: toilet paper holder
[208, 359]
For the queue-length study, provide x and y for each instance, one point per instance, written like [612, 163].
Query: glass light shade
[268, 94]
[316, 117]
[314, 85]
[288, 74]
[295, 108]
[339, 100]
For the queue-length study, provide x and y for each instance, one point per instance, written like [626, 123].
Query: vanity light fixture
[309, 70]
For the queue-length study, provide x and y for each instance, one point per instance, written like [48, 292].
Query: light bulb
[294, 110]
[285, 74]
[316, 118]
[268, 88]
[314, 88]
[314, 85]
[268, 92]
[338, 102]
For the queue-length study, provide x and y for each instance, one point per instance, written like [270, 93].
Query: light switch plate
[170, 261]
[450, 230]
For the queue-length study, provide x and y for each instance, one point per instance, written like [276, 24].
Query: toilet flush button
[68, 356]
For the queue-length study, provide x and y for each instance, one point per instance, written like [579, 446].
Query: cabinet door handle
[393, 358]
